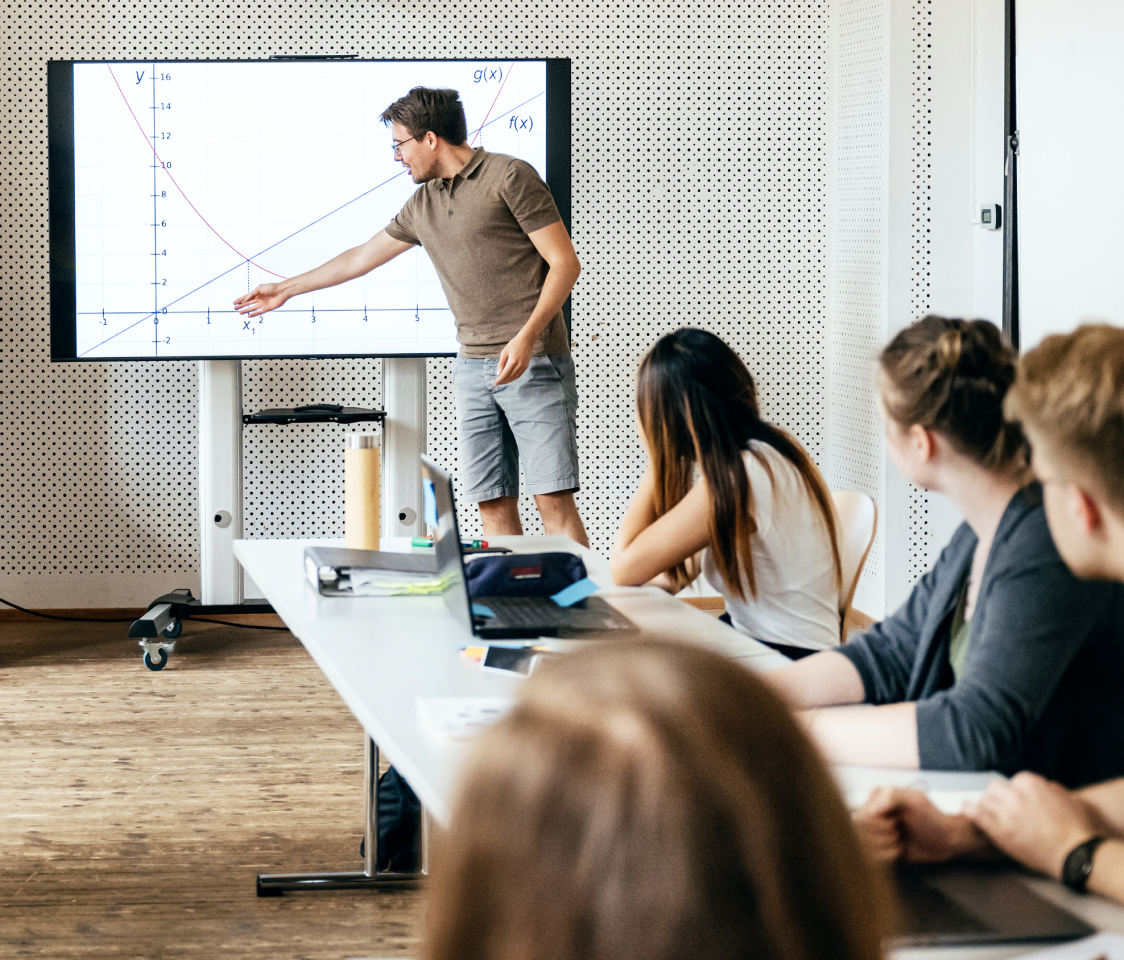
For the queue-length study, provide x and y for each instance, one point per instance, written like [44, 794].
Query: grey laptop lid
[590, 619]
[962, 904]
[441, 515]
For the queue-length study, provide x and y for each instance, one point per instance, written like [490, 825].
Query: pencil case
[524, 574]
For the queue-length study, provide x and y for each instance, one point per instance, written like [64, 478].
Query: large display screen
[176, 186]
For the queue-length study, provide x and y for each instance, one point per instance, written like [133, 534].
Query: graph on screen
[196, 181]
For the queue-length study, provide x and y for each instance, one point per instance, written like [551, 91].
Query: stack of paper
[947, 801]
[392, 583]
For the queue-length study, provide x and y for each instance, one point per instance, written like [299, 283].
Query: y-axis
[155, 237]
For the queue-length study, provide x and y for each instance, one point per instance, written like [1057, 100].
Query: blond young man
[1069, 396]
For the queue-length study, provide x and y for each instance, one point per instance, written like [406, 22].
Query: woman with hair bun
[1001, 659]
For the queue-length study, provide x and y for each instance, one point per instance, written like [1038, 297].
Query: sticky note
[479, 610]
[575, 592]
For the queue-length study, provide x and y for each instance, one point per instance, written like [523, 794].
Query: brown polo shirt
[474, 228]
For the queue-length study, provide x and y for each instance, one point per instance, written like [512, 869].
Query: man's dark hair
[423, 109]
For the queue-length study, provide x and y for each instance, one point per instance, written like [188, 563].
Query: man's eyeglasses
[397, 145]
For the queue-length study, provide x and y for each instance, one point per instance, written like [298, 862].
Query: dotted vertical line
[920, 534]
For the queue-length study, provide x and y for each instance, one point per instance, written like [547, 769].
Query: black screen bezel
[60, 204]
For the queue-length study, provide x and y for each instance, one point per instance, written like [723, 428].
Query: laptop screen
[441, 515]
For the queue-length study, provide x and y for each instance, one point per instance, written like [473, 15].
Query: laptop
[505, 618]
[964, 904]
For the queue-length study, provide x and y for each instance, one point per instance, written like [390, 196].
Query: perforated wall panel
[698, 169]
[293, 475]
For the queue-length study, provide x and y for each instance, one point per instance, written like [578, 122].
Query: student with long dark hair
[1001, 659]
[650, 801]
[732, 496]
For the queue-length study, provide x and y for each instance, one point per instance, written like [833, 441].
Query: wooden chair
[858, 521]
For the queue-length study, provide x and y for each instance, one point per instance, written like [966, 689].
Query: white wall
[701, 196]
[986, 156]
[699, 167]
[1070, 109]
[917, 129]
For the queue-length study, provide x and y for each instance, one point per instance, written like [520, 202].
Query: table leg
[275, 884]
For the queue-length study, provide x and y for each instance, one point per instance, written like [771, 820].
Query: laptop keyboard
[526, 611]
[543, 614]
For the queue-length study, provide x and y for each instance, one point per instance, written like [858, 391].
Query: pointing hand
[261, 300]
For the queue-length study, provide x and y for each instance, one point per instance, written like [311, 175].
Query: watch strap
[1079, 864]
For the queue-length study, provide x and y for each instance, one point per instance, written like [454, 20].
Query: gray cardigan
[1043, 685]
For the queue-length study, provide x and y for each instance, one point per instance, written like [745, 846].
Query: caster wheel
[156, 663]
[173, 629]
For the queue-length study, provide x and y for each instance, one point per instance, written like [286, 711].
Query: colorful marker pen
[428, 542]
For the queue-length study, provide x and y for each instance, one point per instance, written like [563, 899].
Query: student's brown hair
[424, 109]
[697, 404]
[952, 376]
[1070, 392]
[650, 801]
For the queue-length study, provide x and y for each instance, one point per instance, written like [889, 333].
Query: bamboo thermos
[361, 473]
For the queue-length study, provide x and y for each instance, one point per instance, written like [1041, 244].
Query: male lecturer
[506, 263]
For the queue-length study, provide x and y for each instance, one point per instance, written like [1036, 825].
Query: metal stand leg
[275, 884]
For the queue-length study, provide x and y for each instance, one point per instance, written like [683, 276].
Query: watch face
[1079, 864]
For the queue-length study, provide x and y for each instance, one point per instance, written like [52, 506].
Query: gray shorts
[532, 419]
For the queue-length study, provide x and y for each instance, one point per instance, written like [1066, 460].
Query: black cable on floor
[51, 616]
[240, 626]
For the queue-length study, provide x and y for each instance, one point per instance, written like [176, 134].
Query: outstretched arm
[554, 246]
[883, 736]
[827, 691]
[824, 679]
[350, 264]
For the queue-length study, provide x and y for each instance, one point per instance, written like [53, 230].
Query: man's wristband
[1079, 864]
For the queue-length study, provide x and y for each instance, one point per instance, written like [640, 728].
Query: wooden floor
[136, 808]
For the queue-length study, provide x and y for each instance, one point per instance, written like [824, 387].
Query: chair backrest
[858, 520]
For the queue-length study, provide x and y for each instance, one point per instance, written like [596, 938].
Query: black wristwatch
[1079, 864]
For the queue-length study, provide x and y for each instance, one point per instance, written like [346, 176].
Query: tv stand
[220, 487]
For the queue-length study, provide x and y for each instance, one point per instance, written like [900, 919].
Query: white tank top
[797, 600]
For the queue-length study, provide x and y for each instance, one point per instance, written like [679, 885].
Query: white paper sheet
[460, 718]
[1103, 946]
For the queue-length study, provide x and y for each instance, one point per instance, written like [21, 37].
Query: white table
[382, 653]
